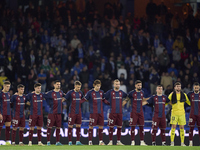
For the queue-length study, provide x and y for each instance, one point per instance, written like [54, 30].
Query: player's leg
[50, 123]
[90, 130]
[58, 122]
[21, 130]
[191, 124]
[173, 122]
[100, 122]
[39, 125]
[15, 123]
[154, 130]
[31, 123]
[111, 124]
[21, 134]
[162, 126]
[2, 123]
[14, 130]
[78, 122]
[119, 129]
[182, 122]
[141, 129]
[90, 134]
[198, 125]
[8, 124]
[132, 123]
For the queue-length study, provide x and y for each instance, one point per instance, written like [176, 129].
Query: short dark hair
[96, 82]
[159, 86]
[20, 86]
[177, 83]
[37, 84]
[196, 84]
[137, 81]
[77, 83]
[56, 81]
[7, 83]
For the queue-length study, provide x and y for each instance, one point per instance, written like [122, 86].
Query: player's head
[77, 86]
[159, 89]
[37, 87]
[116, 84]
[196, 87]
[97, 85]
[6, 86]
[138, 85]
[57, 84]
[177, 86]
[20, 89]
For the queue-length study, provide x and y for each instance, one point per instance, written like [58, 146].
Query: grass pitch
[96, 147]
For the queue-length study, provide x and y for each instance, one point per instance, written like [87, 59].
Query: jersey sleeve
[27, 97]
[170, 96]
[87, 96]
[12, 100]
[124, 95]
[67, 96]
[130, 95]
[107, 95]
[150, 100]
[188, 95]
[167, 100]
[187, 99]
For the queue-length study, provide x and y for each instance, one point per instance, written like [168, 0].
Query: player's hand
[63, 99]
[124, 103]
[1, 117]
[28, 103]
[16, 93]
[33, 92]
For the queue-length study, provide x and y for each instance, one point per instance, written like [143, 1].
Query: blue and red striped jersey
[159, 105]
[74, 99]
[5, 103]
[18, 103]
[95, 99]
[136, 101]
[36, 101]
[115, 98]
[195, 103]
[54, 100]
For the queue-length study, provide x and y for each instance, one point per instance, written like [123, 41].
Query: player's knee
[70, 126]
[15, 129]
[90, 127]
[181, 126]
[78, 125]
[100, 127]
[173, 126]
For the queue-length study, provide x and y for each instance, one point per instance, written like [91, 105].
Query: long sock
[172, 134]
[7, 133]
[163, 135]
[141, 133]
[182, 135]
[191, 133]
[199, 132]
[132, 133]
[21, 132]
[30, 135]
[119, 133]
[70, 134]
[57, 135]
[0, 130]
[90, 134]
[153, 135]
[13, 135]
[110, 133]
[48, 134]
[78, 129]
[100, 134]
[39, 135]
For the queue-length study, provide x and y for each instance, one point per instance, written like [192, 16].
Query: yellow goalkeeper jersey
[178, 108]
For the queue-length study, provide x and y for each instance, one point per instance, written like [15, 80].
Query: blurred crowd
[72, 41]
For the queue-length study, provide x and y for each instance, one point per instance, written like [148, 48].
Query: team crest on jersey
[54, 94]
[40, 95]
[156, 98]
[34, 96]
[120, 93]
[100, 93]
[79, 94]
[73, 94]
[163, 98]
[192, 95]
[113, 93]
[18, 98]
[141, 94]
[135, 94]
[93, 94]
[24, 98]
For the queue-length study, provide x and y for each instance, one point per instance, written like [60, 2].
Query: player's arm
[187, 100]
[170, 99]
[27, 100]
[106, 102]
[1, 117]
[145, 99]
[125, 101]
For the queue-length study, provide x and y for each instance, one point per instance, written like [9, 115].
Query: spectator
[176, 55]
[166, 80]
[154, 80]
[122, 70]
[84, 75]
[42, 79]
[164, 60]
[75, 41]
[173, 69]
[178, 43]
[169, 45]
[159, 49]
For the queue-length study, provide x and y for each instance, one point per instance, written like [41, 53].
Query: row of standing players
[95, 97]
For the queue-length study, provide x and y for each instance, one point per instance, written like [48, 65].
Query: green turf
[96, 147]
